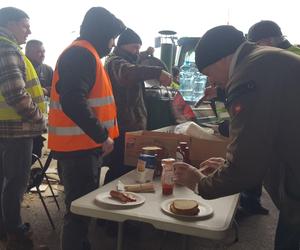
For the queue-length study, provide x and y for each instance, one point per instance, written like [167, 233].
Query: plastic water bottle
[199, 83]
[185, 79]
[192, 82]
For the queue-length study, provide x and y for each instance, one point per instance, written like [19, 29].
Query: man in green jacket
[268, 33]
[262, 89]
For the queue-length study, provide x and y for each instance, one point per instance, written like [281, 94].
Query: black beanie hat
[263, 29]
[128, 36]
[216, 43]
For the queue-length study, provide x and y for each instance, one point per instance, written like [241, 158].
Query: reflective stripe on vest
[76, 130]
[95, 102]
[32, 86]
[64, 134]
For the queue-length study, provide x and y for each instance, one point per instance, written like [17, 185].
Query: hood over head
[98, 27]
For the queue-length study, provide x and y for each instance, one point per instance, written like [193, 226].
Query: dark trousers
[115, 160]
[287, 236]
[251, 197]
[15, 163]
[38, 144]
[81, 176]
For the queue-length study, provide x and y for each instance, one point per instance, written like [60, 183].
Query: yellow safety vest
[174, 85]
[32, 86]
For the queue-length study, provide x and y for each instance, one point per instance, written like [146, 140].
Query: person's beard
[104, 51]
[134, 57]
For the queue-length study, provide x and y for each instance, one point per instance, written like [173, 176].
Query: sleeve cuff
[196, 189]
[104, 135]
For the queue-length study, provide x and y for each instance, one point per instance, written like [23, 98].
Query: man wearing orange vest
[82, 117]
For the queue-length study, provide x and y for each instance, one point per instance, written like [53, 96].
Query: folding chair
[36, 177]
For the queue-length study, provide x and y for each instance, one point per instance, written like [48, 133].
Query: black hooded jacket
[77, 72]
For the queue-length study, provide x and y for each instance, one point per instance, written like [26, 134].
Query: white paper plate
[205, 209]
[105, 198]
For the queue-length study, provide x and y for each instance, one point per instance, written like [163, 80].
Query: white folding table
[214, 227]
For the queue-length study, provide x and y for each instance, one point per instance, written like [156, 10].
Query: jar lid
[168, 160]
[183, 143]
[151, 148]
[146, 156]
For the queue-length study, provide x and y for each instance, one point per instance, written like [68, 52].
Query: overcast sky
[57, 22]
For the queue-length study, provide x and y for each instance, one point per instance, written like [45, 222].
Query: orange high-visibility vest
[64, 134]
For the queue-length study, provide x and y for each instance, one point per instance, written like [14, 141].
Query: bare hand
[186, 175]
[150, 51]
[45, 92]
[165, 78]
[211, 165]
[210, 92]
[107, 146]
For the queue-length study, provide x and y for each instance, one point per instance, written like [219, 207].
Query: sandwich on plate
[184, 207]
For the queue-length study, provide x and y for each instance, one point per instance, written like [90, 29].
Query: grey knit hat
[217, 43]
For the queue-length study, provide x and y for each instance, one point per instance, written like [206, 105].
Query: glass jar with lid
[167, 176]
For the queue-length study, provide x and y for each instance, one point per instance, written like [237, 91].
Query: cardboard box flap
[200, 149]
[171, 130]
[166, 135]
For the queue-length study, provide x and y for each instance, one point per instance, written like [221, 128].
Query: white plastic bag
[194, 130]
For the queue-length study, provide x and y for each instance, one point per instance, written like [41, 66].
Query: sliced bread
[184, 207]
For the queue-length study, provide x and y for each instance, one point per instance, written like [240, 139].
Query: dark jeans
[15, 166]
[38, 144]
[287, 236]
[251, 197]
[115, 160]
[81, 176]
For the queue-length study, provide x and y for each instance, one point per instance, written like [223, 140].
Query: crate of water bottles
[192, 82]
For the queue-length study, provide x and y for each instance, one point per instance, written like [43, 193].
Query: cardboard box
[200, 149]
